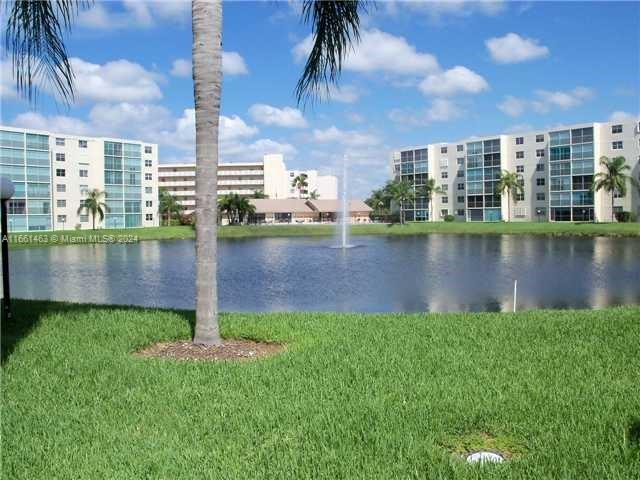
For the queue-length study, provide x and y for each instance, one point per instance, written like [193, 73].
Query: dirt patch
[229, 350]
[466, 444]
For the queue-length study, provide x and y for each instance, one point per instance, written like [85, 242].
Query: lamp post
[6, 192]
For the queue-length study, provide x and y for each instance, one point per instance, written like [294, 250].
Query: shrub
[449, 218]
[625, 217]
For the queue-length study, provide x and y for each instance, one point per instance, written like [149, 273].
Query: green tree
[402, 192]
[226, 206]
[614, 179]
[35, 36]
[259, 194]
[510, 184]
[300, 182]
[168, 206]
[94, 205]
[314, 195]
[428, 190]
[244, 208]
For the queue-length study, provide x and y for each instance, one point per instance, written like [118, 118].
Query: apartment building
[555, 167]
[52, 174]
[270, 176]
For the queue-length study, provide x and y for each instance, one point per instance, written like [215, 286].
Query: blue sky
[424, 72]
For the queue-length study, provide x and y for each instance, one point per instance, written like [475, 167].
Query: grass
[30, 239]
[354, 396]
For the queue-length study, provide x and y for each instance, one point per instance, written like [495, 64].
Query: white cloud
[134, 14]
[355, 117]
[287, 117]
[512, 48]
[232, 64]
[54, 123]
[344, 93]
[116, 81]
[546, 100]
[455, 80]
[7, 80]
[379, 51]
[620, 116]
[351, 138]
[440, 110]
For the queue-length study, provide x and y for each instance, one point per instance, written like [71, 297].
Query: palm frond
[35, 37]
[335, 27]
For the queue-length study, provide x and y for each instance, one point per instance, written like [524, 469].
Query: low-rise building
[273, 211]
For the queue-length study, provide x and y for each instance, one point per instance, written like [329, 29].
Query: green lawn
[20, 240]
[354, 396]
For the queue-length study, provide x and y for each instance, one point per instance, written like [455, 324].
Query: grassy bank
[22, 240]
[354, 396]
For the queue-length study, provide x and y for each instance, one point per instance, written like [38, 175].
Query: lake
[382, 274]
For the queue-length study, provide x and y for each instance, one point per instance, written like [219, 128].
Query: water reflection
[422, 273]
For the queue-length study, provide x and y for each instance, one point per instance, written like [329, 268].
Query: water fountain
[342, 231]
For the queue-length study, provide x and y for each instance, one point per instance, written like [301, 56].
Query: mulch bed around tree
[229, 350]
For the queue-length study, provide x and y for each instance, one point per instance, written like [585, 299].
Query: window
[460, 212]
[62, 218]
[59, 157]
[84, 218]
[519, 140]
[540, 196]
[61, 203]
[617, 194]
[148, 189]
[460, 174]
[617, 145]
[17, 207]
[443, 149]
[616, 128]
[444, 212]
[148, 163]
[460, 161]
[444, 174]
[519, 197]
[539, 138]
[60, 142]
[540, 153]
[445, 188]
[82, 143]
[148, 176]
[84, 173]
[520, 154]
[461, 186]
[540, 167]
[520, 212]
[445, 199]
[540, 182]
[460, 148]
[148, 204]
[444, 162]
[460, 198]
[84, 190]
[60, 172]
[61, 188]
[148, 217]
[519, 168]
[148, 149]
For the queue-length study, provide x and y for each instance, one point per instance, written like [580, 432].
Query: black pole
[6, 294]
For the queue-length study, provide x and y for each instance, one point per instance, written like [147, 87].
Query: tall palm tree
[168, 206]
[226, 206]
[34, 35]
[300, 182]
[402, 192]
[93, 204]
[244, 208]
[428, 190]
[614, 179]
[510, 184]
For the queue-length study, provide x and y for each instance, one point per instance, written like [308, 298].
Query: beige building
[274, 211]
[556, 168]
[52, 173]
[269, 176]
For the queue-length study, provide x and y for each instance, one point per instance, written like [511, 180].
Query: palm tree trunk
[93, 218]
[207, 90]
[612, 197]
[508, 206]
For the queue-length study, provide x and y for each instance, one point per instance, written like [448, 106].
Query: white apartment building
[52, 173]
[556, 169]
[270, 176]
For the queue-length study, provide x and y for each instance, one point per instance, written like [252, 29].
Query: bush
[449, 218]
[625, 217]
[187, 219]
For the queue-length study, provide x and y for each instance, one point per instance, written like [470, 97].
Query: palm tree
[34, 35]
[510, 183]
[93, 204]
[402, 192]
[428, 190]
[300, 182]
[314, 195]
[259, 194]
[614, 179]
[226, 206]
[168, 206]
[244, 208]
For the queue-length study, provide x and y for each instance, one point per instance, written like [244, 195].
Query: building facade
[52, 174]
[555, 167]
[270, 176]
